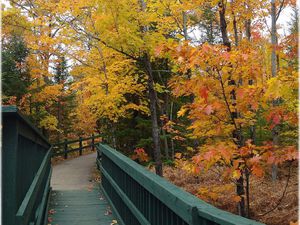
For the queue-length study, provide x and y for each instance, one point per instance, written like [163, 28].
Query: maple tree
[232, 93]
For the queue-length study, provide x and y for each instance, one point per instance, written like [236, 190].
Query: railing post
[66, 149]
[99, 157]
[195, 216]
[80, 145]
[93, 142]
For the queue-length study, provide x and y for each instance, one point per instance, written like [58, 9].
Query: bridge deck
[75, 199]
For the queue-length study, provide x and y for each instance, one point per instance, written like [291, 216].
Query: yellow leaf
[178, 155]
[236, 174]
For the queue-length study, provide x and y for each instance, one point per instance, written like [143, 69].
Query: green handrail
[139, 196]
[26, 170]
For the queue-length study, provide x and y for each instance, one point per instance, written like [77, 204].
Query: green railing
[26, 171]
[64, 148]
[140, 197]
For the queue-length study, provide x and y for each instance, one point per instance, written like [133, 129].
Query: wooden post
[195, 216]
[66, 149]
[80, 145]
[93, 142]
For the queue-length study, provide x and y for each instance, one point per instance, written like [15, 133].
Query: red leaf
[276, 119]
[204, 93]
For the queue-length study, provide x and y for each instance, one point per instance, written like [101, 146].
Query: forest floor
[264, 193]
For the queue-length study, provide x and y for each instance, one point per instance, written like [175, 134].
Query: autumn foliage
[207, 86]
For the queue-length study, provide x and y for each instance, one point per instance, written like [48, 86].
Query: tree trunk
[153, 111]
[58, 119]
[274, 74]
[241, 192]
[223, 24]
[236, 38]
[247, 175]
[236, 134]
[184, 17]
[172, 141]
[248, 29]
[273, 39]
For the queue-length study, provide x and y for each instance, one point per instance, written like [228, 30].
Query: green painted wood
[77, 140]
[13, 110]
[93, 142]
[80, 145]
[26, 208]
[9, 169]
[140, 217]
[161, 195]
[21, 142]
[64, 151]
[45, 221]
[71, 150]
[44, 203]
[79, 207]
[120, 220]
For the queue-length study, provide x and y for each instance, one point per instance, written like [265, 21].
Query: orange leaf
[257, 170]
[237, 198]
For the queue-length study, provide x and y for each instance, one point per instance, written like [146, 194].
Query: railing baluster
[93, 142]
[80, 145]
[66, 149]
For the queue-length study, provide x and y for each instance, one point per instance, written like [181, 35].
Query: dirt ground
[264, 193]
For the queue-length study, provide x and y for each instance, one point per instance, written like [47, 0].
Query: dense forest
[204, 93]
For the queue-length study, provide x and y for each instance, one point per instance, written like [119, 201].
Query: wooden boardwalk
[75, 199]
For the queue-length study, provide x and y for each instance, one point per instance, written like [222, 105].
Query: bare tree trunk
[247, 175]
[248, 29]
[223, 24]
[153, 110]
[165, 144]
[164, 132]
[153, 104]
[241, 192]
[236, 38]
[162, 109]
[274, 74]
[58, 119]
[172, 141]
[184, 17]
[273, 39]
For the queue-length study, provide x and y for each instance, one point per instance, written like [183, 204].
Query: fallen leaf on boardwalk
[108, 212]
[50, 219]
[51, 211]
[114, 222]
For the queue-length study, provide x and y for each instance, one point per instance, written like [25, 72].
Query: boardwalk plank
[76, 200]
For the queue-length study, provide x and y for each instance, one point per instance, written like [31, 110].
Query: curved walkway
[73, 174]
[75, 198]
